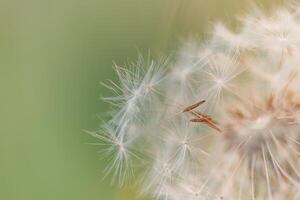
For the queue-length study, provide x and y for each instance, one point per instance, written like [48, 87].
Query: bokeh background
[53, 54]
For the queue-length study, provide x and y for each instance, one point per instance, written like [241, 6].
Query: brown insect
[192, 107]
[199, 117]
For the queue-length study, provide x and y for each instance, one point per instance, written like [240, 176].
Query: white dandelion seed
[137, 86]
[118, 156]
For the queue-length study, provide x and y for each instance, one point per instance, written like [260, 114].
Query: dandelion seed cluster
[220, 121]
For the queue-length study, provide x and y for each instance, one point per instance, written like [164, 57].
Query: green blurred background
[53, 54]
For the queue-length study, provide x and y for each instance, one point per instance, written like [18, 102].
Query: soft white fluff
[246, 142]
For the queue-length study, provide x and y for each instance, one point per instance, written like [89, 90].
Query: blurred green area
[53, 54]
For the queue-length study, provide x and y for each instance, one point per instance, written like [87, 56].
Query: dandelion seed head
[220, 121]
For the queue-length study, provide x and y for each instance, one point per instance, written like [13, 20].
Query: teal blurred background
[53, 54]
